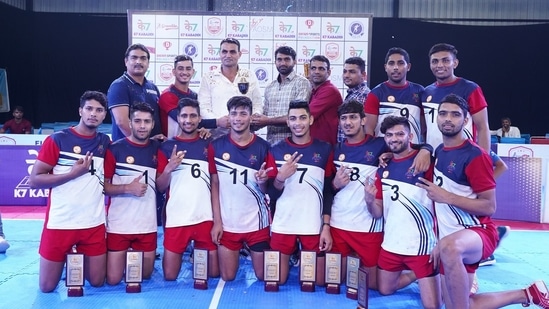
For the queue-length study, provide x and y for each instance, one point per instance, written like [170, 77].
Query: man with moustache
[130, 88]
[396, 96]
[183, 71]
[186, 178]
[288, 86]
[130, 177]
[354, 77]
[70, 164]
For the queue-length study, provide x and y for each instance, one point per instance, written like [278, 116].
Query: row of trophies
[356, 276]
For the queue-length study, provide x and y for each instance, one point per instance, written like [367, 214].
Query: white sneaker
[4, 245]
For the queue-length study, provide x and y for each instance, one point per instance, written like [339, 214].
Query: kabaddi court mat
[521, 259]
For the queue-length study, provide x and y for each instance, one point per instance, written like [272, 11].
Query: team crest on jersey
[155, 159]
[341, 157]
[429, 98]
[451, 167]
[226, 156]
[76, 149]
[252, 159]
[316, 157]
[385, 174]
[415, 97]
[100, 149]
[410, 173]
[205, 152]
[391, 98]
[369, 156]
[130, 160]
[287, 157]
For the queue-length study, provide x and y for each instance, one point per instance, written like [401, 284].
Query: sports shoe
[537, 294]
[503, 231]
[295, 258]
[491, 260]
[4, 245]
[474, 286]
[245, 253]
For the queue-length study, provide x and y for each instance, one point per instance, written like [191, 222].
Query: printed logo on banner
[190, 50]
[211, 52]
[356, 30]
[195, 79]
[331, 51]
[287, 31]
[166, 50]
[142, 26]
[354, 52]
[166, 27]
[261, 53]
[261, 28]
[22, 189]
[262, 75]
[309, 28]
[167, 45]
[333, 31]
[238, 29]
[190, 28]
[213, 25]
[166, 72]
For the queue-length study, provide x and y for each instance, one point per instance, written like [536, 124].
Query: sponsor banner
[167, 26]
[166, 49]
[214, 27]
[143, 26]
[285, 28]
[164, 75]
[333, 29]
[238, 27]
[308, 28]
[4, 96]
[190, 27]
[306, 50]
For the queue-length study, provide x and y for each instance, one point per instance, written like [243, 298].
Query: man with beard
[325, 100]
[507, 130]
[183, 71]
[130, 177]
[410, 229]
[396, 96]
[70, 163]
[354, 77]
[221, 84]
[308, 182]
[187, 178]
[287, 87]
[130, 88]
[17, 125]
[465, 198]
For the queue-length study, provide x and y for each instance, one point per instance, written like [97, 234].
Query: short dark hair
[358, 61]
[320, 58]
[444, 47]
[18, 108]
[94, 95]
[141, 107]
[240, 101]
[298, 104]
[351, 107]
[400, 51]
[506, 118]
[184, 102]
[392, 121]
[286, 50]
[137, 46]
[457, 100]
[231, 41]
[182, 58]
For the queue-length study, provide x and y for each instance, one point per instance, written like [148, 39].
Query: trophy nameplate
[271, 270]
[75, 274]
[307, 271]
[134, 271]
[353, 263]
[200, 269]
[362, 295]
[333, 273]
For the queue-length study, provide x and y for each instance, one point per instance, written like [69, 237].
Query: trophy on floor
[362, 295]
[200, 269]
[134, 271]
[307, 271]
[353, 263]
[271, 270]
[75, 274]
[333, 273]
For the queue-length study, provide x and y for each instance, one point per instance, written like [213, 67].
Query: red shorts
[366, 245]
[286, 243]
[394, 262]
[234, 241]
[176, 239]
[489, 237]
[140, 242]
[55, 244]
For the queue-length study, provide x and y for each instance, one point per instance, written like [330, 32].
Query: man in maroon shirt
[325, 100]
[17, 125]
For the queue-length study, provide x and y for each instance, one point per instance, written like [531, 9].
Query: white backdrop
[198, 34]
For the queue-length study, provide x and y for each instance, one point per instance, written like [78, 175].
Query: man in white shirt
[506, 129]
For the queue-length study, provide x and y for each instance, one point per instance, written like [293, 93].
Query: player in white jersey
[410, 229]
[240, 167]
[305, 173]
[465, 198]
[187, 180]
[130, 177]
[70, 162]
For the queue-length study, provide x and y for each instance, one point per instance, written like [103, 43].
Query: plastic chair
[494, 139]
[512, 140]
[526, 137]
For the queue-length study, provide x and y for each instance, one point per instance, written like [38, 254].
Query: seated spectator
[17, 125]
[506, 129]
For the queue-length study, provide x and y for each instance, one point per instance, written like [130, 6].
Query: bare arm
[480, 120]
[135, 187]
[217, 229]
[500, 168]
[122, 118]
[371, 123]
[41, 178]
